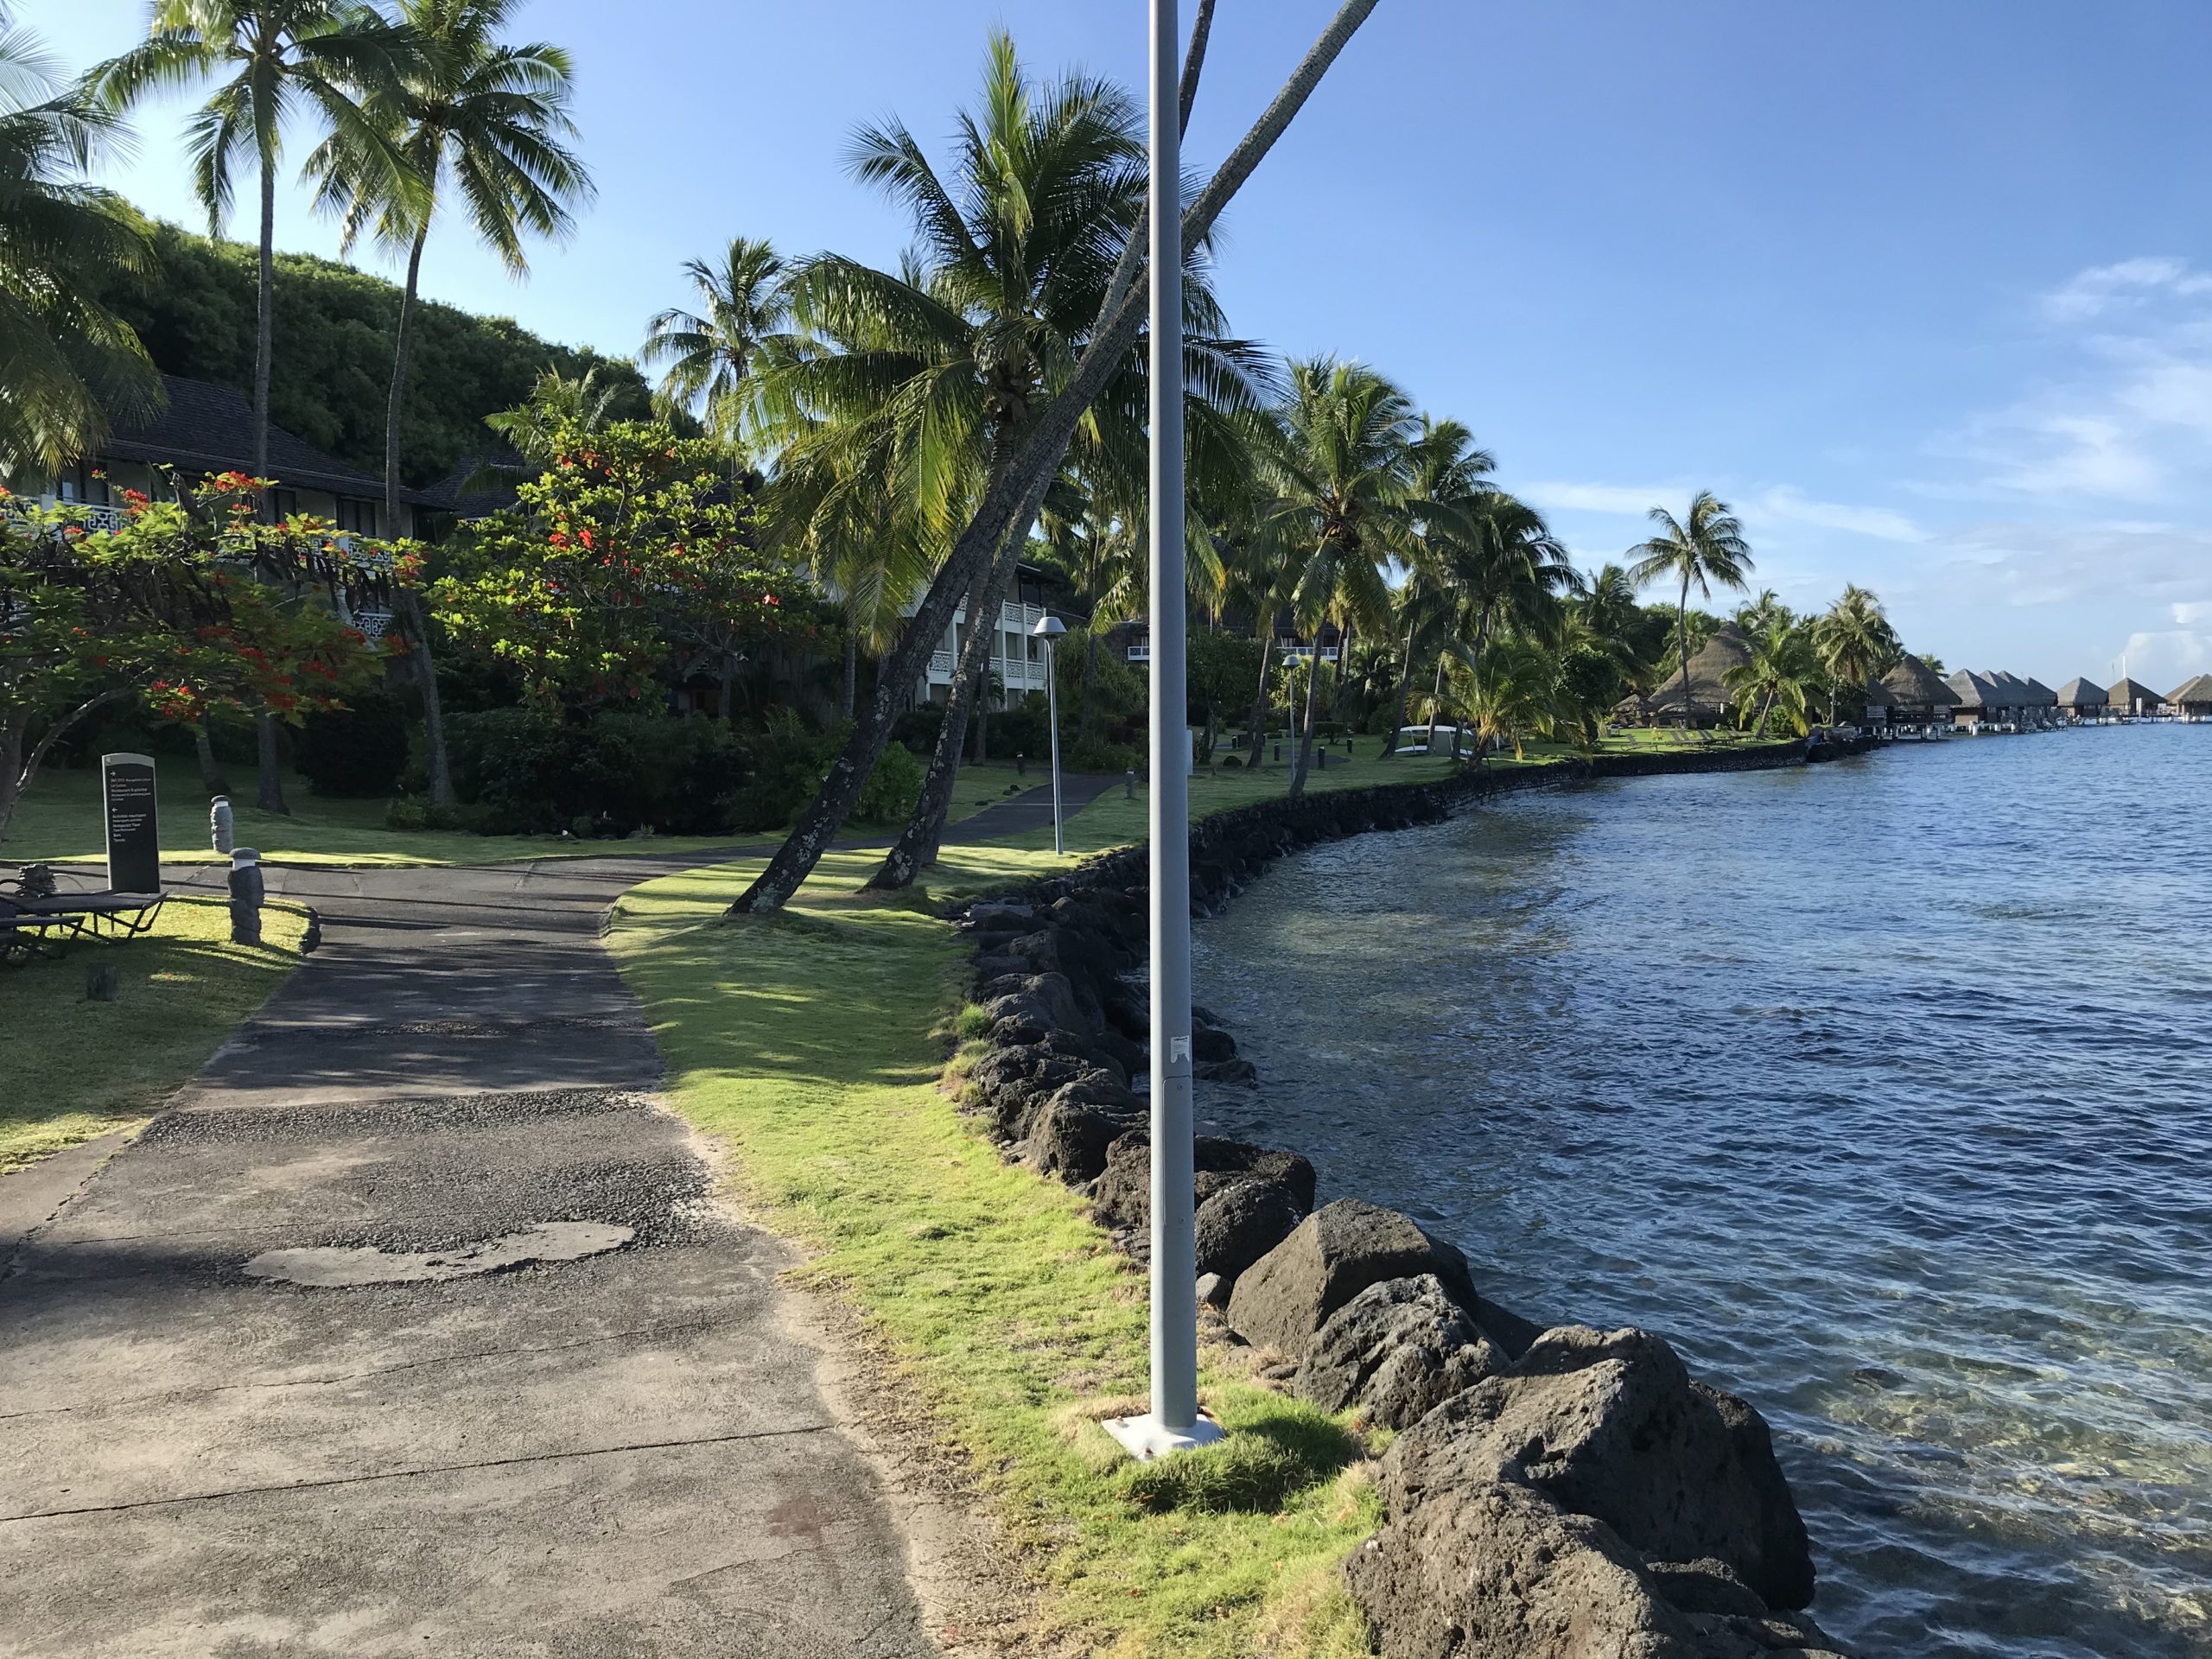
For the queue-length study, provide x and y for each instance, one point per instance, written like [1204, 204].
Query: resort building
[2082, 700]
[204, 429]
[1912, 697]
[1706, 701]
[2132, 700]
[1017, 654]
[2192, 701]
[2042, 705]
[1977, 702]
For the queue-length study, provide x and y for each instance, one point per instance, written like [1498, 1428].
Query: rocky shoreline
[1552, 1492]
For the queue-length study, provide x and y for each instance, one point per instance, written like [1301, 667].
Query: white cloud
[2016, 563]
[1623, 500]
[1878, 522]
[2163, 658]
[2101, 289]
[2190, 612]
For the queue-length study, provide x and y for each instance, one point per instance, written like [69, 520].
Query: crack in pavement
[409, 1474]
[380, 1371]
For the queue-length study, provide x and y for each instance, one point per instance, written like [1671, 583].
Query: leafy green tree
[744, 301]
[1779, 674]
[267, 57]
[1511, 693]
[1706, 547]
[621, 546]
[1855, 643]
[1344, 468]
[187, 607]
[67, 359]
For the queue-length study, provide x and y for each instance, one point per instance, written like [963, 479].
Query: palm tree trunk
[1260, 696]
[1090, 674]
[269, 793]
[1766, 707]
[1436, 698]
[1305, 736]
[415, 628]
[852, 673]
[203, 751]
[395, 409]
[722, 688]
[1051, 431]
[1405, 690]
[265, 332]
[1682, 645]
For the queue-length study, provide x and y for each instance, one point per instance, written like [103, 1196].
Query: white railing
[1141, 653]
[941, 663]
[92, 515]
[1024, 617]
[1328, 652]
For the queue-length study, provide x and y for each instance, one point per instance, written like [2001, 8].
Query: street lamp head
[1049, 626]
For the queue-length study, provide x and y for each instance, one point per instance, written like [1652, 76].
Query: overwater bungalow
[2081, 700]
[2192, 701]
[1914, 700]
[1979, 702]
[1708, 703]
[2132, 700]
[2043, 704]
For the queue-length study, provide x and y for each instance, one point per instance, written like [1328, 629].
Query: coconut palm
[474, 117]
[710, 352]
[1511, 693]
[1452, 476]
[65, 360]
[1704, 547]
[1344, 465]
[1100, 552]
[1779, 673]
[268, 58]
[1758, 615]
[1855, 642]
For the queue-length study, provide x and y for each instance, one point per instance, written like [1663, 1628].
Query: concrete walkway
[614, 1445]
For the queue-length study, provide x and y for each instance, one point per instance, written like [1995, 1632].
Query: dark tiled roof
[209, 428]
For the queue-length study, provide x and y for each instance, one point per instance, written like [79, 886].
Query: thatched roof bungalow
[2193, 699]
[2134, 697]
[2083, 699]
[1912, 694]
[1708, 701]
[1977, 700]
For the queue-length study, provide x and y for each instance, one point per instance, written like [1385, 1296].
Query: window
[357, 515]
[283, 503]
[81, 481]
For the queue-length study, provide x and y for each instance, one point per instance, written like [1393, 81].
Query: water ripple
[1879, 1087]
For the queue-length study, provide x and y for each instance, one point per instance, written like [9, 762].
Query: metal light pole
[1049, 629]
[1174, 1423]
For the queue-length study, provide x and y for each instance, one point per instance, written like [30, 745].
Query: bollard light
[1049, 629]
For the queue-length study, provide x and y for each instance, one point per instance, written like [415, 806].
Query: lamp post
[1174, 1423]
[1049, 629]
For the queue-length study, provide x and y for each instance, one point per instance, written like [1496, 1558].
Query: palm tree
[1102, 553]
[1511, 693]
[67, 360]
[1452, 476]
[1706, 547]
[1344, 466]
[1855, 642]
[1778, 673]
[556, 404]
[710, 352]
[268, 57]
[1758, 615]
[486, 120]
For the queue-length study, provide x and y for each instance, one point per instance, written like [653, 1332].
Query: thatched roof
[1913, 684]
[1973, 690]
[2196, 691]
[2043, 697]
[2131, 694]
[2078, 693]
[1708, 694]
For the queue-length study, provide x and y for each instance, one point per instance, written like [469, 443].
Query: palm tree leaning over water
[490, 121]
[69, 361]
[1706, 547]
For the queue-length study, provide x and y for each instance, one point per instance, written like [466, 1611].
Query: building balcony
[1140, 653]
[92, 515]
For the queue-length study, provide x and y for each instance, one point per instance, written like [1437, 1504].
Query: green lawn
[78, 1068]
[812, 1043]
[60, 818]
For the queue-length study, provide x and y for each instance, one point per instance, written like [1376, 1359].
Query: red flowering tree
[188, 605]
[628, 550]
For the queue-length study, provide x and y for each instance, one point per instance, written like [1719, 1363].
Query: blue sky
[1925, 292]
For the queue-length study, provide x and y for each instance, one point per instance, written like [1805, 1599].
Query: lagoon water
[1883, 1089]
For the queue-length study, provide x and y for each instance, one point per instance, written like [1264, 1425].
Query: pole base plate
[1146, 1438]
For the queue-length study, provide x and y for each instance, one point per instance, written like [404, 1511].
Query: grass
[78, 1068]
[813, 1043]
[60, 818]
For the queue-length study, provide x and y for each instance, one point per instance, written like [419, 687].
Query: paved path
[622, 1453]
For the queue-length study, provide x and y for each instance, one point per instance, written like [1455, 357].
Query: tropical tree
[474, 117]
[1511, 693]
[1705, 546]
[1343, 467]
[1758, 615]
[67, 361]
[710, 352]
[1452, 476]
[1854, 641]
[1016, 495]
[1508, 568]
[1779, 673]
[268, 58]
[1101, 553]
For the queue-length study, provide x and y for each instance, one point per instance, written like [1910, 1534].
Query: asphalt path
[413, 1324]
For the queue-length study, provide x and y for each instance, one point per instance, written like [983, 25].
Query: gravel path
[623, 1452]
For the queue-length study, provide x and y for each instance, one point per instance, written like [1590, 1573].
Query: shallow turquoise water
[1883, 1089]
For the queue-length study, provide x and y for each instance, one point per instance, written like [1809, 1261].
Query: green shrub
[1099, 755]
[918, 727]
[407, 812]
[357, 752]
[891, 789]
[533, 774]
[785, 766]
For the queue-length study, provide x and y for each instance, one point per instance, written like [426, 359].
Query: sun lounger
[103, 915]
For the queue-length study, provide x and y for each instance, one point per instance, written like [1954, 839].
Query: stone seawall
[1551, 1493]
